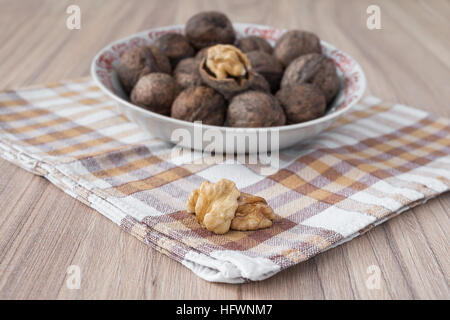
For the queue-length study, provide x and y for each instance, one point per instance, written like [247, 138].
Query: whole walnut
[296, 43]
[155, 92]
[175, 46]
[187, 73]
[315, 69]
[254, 109]
[302, 102]
[209, 28]
[200, 104]
[226, 69]
[138, 62]
[259, 83]
[254, 43]
[268, 66]
[202, 54]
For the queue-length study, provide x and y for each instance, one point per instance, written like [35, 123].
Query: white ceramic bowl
[188, 134]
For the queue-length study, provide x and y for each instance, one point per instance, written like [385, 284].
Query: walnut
[296, 43]
[302, 102]
[192, 200]
[200, 104]
[254, 43]
[155, 92]
[175, 46]
[201, 54]
[226, 69]
[220, 206]
[208, 28]
[187, 73]
[268, 66]
[315, 69]
[136, 63]
[259, 83]
[254, 109]
[215, 204]
[226, 61]
[253, 213]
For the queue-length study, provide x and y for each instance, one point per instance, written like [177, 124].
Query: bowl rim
[331, 116]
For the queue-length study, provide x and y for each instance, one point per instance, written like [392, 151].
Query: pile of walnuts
[207, 75]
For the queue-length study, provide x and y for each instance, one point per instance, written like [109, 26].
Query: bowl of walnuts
[213, 79]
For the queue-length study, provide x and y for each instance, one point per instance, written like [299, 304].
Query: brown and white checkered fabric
[374, 163]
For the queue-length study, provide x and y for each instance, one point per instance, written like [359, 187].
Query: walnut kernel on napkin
[220, 206]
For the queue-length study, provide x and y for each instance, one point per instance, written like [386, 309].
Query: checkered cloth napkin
[374, 163]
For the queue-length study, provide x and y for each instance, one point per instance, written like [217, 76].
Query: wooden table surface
[43, 230]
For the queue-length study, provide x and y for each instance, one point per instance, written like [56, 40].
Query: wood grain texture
[43, 231]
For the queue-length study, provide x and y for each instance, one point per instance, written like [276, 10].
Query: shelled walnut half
[253, 213]
[221, 207]
[214, 204]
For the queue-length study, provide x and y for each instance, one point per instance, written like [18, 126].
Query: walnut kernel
[226, 61]
[226, 69]
[214, 204]
[220, 206]
[253, 213]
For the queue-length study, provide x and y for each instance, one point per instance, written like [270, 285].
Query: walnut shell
[302, 102]
[254, 109]
[187, 73]
[208, 28]
[175, 46]
[228, 87]
[258, 83]
[315, 69]
[200, 104]
[138, 62]
[202, 54]
[155, 92]
[296, 43]
[254, 43]
[268, 66]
